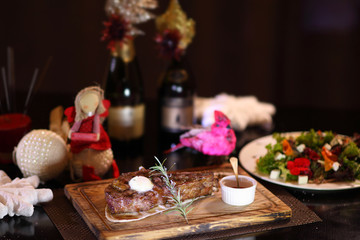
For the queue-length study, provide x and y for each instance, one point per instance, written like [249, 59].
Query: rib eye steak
[121, 198]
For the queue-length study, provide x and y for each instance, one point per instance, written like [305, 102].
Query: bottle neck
[178, 63]
[178, 71]
[124, 50]
[124, 80]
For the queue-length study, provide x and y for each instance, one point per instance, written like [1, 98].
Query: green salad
[318, 156]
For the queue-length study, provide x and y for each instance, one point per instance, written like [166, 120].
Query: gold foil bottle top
[125, 50]
[175, 19]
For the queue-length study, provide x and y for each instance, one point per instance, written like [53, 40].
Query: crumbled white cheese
[335, 166]
[303, 179]
[301, 147]
[322, 162]
[274, 174]
[327, 146]
[141, 184]
[336, 140]
[279, 156]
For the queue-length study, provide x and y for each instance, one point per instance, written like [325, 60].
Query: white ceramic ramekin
[238, 196]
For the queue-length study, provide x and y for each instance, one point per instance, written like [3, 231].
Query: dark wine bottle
[176, 97]
[124, 89]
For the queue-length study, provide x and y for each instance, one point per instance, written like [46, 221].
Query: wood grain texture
[209, 214]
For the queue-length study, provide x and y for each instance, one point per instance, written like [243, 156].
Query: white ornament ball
[42, 153]
[100, 160]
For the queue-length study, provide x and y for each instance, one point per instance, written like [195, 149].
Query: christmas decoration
[18, 196]
[175, 31]
[117, 29]
[91, 164]
[168, 44]
[132, 11]
[43, 153]
[243, 111]
[219, 140]
[90, 145]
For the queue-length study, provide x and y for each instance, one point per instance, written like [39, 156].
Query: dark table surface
[339, 211]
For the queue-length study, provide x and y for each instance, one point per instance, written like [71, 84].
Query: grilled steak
[121, 198]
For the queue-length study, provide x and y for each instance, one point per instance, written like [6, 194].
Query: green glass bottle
[124, 89]
[176, 97]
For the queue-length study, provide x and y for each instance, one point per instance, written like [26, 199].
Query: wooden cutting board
[208, 214]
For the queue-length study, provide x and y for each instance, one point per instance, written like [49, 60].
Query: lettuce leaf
[350, 151]
[313, 140]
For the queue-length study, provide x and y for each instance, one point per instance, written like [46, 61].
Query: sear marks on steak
[121, 199]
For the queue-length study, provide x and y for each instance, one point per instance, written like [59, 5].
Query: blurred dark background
[291, 53]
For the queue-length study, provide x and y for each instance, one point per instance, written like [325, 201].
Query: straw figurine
[90, 145]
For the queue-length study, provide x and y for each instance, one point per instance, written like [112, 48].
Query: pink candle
[13, 127]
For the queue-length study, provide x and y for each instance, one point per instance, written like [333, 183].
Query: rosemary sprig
[176, 195]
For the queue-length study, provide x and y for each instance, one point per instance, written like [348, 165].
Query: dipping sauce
[243, 183]
[238, 196]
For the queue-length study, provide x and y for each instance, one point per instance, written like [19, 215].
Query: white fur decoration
[242, 111]
[18, 196]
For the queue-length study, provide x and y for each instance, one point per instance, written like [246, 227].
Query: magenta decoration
[219, 140]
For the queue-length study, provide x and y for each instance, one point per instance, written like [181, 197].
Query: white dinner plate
[255, 149]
